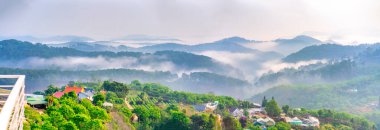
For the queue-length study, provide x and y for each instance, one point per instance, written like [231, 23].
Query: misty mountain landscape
[190, 65]
[340, 77]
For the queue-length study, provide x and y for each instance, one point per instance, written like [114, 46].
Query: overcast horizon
[345, 21]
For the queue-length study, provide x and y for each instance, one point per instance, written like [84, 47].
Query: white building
[12, 109]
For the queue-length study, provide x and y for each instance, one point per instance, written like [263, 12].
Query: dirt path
[127, 103]
[119, 120]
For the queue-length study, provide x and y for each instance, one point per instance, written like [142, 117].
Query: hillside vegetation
[153, 106]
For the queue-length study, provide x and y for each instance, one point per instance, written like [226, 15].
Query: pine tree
[264, 102]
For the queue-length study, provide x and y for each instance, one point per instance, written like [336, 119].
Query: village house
[236, 112]
[58, 94]
[36, 100]
[293, 121]
[311, 121]
[82, 93]
[200, 108]
[255, 111]
[74, 88]
[107, 104]
[211, 106]
[85, 95]
[267, 121]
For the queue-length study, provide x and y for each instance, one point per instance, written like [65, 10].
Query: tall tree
[273, 109]
[285, 109]
[51, 89]
[264, 102]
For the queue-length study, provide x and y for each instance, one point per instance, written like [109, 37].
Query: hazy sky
[193, 20]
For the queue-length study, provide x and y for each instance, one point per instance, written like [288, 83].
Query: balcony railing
[12, 112]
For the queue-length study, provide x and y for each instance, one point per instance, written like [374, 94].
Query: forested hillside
[197, 82]
[148, 106]
[16, 51]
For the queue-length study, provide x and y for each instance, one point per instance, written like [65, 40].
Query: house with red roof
[58, 94]
[74, 88]
[68, 89]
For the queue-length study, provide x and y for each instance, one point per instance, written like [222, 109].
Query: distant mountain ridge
[301, 39]
[231, 44]
[92, 46]
[327, 51]
[51, 39]
[284, 46]
[17, 50]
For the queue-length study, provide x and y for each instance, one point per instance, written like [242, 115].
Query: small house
[265, 122]
[237, 113]
[107, 104]
[36, 100]
[134, 118]
[85, 95]
[311, 121]
[293, 121]
[200, 108]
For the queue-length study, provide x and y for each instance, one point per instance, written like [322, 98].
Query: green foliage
[374, 116]
[178, 121]
[135, 84]
[86, 103]
[80, 120]
[126, 112]
[285, 109]
[142, 113]
[337, 119]
[67, 114]
[272, 128]
[203, 122]
[327, 127]
[95, 124]
[157, 107]
[272, 108]
[172, 107]
[48, 126]
[33, 118]
[66, 111]
[80, 109]
[57, 118]
[98, 99]
[283, 126]
[51, 90]
[120, 89]
[97, 112]
[231, 123]
[69, 126]
[111, 96]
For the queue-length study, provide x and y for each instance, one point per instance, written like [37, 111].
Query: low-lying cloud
[98, 63]
[253, 65]
[277, 65]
